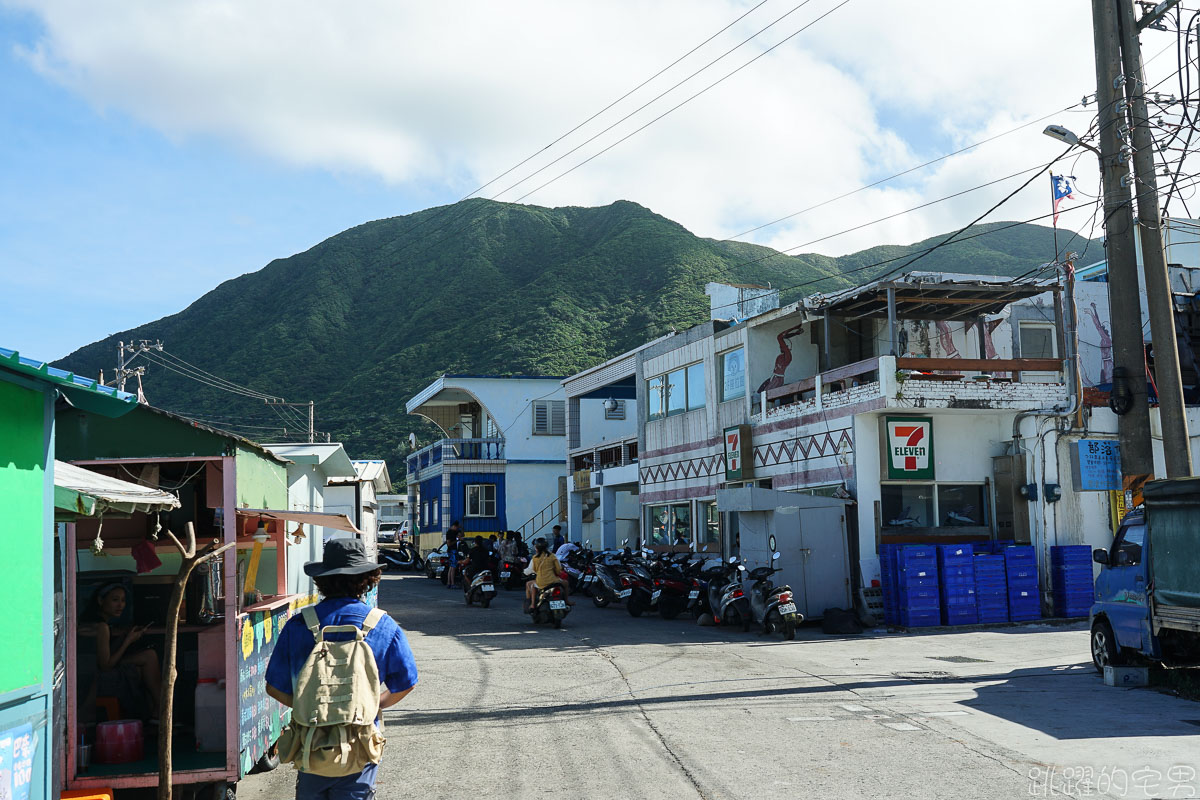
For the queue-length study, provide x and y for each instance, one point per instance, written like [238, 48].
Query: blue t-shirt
[387, 641]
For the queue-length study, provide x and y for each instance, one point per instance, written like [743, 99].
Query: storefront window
[960, 505]
[656, 398]
[907, 505]
[670, 525]
[710, 531]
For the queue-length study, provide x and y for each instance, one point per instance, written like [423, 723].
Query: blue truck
[1147, 603]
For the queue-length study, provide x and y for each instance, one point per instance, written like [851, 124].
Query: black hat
[341, 557]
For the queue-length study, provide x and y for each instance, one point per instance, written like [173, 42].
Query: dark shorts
[360, 786]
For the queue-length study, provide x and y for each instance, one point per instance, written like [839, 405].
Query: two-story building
[498, 463]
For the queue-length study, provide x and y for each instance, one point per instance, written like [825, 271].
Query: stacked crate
[887, 579]
[1020, 568]
[917, 586]
[1071, 580]
[991, 588]
[957, 572]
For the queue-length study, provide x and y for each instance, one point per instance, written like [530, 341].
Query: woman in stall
[115, 646]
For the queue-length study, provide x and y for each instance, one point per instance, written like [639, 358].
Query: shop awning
[339, 522]
[79, 492]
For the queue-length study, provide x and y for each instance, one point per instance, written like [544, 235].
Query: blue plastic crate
[968, 616]
[1070, 552]
[921, 619]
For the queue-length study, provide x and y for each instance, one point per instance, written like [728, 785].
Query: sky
[152, 151]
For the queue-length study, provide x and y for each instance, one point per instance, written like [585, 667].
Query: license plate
[654, 597]
[487, 587]
[624, 593]
[558, 605]
[787, 608]
[440, 570]
[693, 594]
[505, 575]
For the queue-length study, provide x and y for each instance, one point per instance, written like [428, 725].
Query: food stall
[231, 492]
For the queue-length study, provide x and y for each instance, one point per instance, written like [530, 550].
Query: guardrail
[456, 450]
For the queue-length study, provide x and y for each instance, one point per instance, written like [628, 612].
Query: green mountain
[365, 319]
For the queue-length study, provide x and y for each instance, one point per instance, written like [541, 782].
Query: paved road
[610, 707]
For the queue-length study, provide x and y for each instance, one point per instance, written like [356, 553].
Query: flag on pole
[1062, 187]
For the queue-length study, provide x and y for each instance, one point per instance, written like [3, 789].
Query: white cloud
[452, 93]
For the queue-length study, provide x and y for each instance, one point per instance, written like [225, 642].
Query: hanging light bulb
[260, 534]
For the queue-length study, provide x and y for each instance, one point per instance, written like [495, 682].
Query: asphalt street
[611, 707]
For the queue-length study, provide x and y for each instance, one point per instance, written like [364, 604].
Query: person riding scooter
[547, 570]
[478, 558]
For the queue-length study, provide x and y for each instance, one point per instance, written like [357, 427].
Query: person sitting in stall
[115, 646]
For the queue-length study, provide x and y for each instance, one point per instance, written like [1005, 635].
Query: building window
[733, 374]
[656, 397]
[695, 386]
[709, 540]
[1037, 340]
[933, 505]
[617, 412]
[676, 392]
[550, 417]
[481, 500]
[670, 525]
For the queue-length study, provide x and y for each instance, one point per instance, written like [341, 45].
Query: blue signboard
[1096, 464]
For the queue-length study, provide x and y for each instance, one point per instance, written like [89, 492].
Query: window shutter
[558, 417]
[541, 417]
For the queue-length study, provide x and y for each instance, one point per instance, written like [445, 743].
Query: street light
[1067, 136]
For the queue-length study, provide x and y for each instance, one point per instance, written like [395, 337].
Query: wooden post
[166, 704]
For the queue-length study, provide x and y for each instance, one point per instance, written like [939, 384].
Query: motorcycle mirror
[741, 567]
[775, 556]
[733, 559]
[624, 543]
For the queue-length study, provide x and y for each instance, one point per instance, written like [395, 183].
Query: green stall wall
[23, 498]
[261, 483]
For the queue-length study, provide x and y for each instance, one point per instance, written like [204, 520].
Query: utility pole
[312, 434]
[1171, 408]
[124, 372]
[1129, 374]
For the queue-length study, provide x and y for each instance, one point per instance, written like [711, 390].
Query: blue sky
[154, 151]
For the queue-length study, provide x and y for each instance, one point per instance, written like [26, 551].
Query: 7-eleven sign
[909, 448]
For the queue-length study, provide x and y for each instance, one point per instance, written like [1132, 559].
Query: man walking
[343, 576]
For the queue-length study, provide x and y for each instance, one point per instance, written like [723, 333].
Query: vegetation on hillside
[365, 319]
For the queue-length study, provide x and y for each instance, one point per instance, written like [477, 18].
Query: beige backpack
[336, 702]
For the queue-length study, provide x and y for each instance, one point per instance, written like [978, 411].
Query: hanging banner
[909, 443]
[739, 454]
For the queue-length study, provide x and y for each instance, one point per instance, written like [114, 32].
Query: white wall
[529, 489]
[510, 402]
[595, 429]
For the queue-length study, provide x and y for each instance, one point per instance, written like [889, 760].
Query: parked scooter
[512, 573]
[481, 589]
[550, 606]
[772, 606]
[730, 604]
[674, 587]
[637, 587]
[404, 557]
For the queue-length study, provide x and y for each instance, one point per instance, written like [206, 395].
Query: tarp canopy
[79, 492]
[322, 519]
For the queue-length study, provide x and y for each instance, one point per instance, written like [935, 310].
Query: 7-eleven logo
[908, 445]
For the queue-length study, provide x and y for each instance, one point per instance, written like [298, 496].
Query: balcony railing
[456, 450]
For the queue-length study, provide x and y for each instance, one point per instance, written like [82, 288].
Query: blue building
[499, 462]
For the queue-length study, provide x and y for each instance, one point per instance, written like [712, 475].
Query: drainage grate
[959, 659]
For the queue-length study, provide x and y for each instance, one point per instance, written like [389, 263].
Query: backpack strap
[310, 619]
[372, 619]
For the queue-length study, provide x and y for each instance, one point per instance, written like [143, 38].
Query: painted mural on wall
[783, 360]
[260, 718]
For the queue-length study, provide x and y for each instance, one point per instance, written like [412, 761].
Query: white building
[358, 498]
[498, 463]
[311, 468]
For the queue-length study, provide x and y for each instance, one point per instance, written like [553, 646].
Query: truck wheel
[1105, 651]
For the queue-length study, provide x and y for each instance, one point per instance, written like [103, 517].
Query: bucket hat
[341, 557]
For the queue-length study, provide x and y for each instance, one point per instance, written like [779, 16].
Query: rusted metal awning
[929, 296]
[321, 519]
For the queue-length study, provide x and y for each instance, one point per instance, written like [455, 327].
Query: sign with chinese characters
[1096, 465]
[17, 748]
[739, 453]
[909, 443]
[260, 718]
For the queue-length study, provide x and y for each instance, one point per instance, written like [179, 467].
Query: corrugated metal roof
[83, 493]
[85, 393]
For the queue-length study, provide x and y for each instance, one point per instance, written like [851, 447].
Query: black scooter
[404, 558]
[550, 607]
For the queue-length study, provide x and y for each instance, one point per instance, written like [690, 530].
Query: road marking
[809, 719]
[855, 709]
[900, 726]
[878, 716]
[945, 713]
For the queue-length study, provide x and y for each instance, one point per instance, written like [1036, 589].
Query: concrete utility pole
[123, 371]
[1171, 408]
[1129, 378]
[312, 434]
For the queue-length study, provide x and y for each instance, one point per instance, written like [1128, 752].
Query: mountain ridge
[362, 320]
